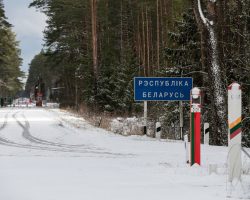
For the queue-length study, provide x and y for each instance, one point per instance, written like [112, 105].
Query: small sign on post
[234, 131]
[195, 125]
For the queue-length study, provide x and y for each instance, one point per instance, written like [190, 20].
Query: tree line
[94, 48]
[10, 60]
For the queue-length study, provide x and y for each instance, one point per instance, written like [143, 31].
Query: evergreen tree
[39, 70]
[10, 60]
[183, 55]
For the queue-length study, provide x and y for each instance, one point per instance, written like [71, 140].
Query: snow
[203, 18]
[127, 126]
[54, 155]
[219, 99]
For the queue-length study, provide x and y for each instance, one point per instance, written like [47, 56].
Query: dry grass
[104, 120]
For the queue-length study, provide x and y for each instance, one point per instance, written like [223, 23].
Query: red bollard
[195, 127]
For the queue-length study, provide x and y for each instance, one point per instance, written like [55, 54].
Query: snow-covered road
[54, 155]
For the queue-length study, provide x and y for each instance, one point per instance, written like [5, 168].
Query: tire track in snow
[3, 140]
[7, 142]
[5, 121]
[50, 146]
[28, 136]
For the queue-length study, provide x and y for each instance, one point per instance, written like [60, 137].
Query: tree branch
[203, 18]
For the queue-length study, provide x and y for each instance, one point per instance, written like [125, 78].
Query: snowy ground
[52, 155]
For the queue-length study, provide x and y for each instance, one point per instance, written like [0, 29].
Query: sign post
[234, 131]
[145, 117]
[181, 120]
[195, 125]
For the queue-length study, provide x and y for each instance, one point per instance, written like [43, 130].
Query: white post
[206, 133]
[158, 130]
[186, 148]
[145, 116]
[234, 132]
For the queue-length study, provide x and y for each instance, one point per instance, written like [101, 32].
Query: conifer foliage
[10, 60]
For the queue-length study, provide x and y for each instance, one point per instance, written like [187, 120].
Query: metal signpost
[234, 131]
[181, 120]
[145, 117]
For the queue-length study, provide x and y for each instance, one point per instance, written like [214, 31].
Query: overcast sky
[28, 26]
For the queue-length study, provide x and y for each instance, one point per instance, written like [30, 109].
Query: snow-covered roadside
[102, 165]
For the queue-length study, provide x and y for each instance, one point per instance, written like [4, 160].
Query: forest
[94, 48]
[10, 60]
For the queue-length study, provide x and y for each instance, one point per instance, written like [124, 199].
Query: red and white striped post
[234, 131]
[195, 123]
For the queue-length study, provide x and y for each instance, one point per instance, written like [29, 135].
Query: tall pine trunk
[94, 42]
[158, 35]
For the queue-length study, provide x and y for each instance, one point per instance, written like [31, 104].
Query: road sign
[162, 88]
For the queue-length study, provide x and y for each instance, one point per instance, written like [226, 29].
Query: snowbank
[127, 126]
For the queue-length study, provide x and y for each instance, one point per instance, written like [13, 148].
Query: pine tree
[10, 60]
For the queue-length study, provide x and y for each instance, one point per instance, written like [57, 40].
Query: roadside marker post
[158, 130]
[186, 148]
[195, 126]
[234, 132]
[206, 133]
